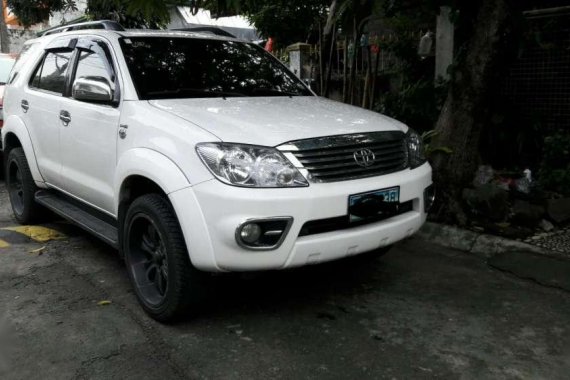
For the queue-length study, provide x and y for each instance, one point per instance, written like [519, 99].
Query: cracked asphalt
[421, 311]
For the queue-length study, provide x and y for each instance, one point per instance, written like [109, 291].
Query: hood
[271, 121]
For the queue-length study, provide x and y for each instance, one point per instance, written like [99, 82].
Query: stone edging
[473, 242]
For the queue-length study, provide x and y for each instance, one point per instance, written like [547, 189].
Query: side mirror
[92, 89]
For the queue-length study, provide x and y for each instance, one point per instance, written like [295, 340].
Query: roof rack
[103, 24]
[209, 29]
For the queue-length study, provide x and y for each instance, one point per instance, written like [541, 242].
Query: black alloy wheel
[148, 260]
[165, 282]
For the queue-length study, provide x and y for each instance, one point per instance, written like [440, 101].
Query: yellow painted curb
[37, 233]
[3, 244]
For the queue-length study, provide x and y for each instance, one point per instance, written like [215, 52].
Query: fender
[16, 126]
[151, 164]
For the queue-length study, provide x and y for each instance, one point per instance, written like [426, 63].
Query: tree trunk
[465, 110]
[4, 37]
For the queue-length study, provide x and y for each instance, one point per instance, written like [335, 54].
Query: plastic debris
[522, 185]
[528, 175]
[483, 176]
[39, 251]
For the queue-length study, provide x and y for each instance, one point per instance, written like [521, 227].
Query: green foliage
[31, 12]
[131, 14]
[416, 101]
[427, 138]
[286, 21]
[554, 171]
[417, 104]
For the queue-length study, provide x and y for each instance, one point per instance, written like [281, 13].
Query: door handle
[65, 117]
[25, 105]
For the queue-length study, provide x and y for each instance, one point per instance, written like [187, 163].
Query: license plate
[373, 204]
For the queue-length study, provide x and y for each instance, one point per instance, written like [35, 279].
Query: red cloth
[269, 45]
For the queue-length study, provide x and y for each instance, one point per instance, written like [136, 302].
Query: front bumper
[210, 212]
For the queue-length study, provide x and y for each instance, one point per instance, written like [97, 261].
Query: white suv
[194, 153]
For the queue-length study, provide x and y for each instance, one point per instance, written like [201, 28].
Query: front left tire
[165, 282]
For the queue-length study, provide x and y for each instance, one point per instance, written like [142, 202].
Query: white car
[194, 153]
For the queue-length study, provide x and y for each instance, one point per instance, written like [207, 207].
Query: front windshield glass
[5, 68]
[176, 67]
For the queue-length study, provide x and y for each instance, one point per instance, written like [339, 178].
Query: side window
[92, 65]
[50, 75]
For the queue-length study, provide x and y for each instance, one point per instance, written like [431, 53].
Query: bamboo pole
[367, 78]
[353, 62]
[329, 63]
[345, 67]
[374, 76]
[320, 58]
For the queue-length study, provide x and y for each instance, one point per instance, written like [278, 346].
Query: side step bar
[79, 214]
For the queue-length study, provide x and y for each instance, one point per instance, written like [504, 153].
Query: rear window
[19, 61]
[175, 67]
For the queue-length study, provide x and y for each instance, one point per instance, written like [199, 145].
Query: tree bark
[4, 36]
[465, 110]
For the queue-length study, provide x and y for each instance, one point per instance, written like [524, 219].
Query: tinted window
[92, 65]
[170, 67]
[50, 76]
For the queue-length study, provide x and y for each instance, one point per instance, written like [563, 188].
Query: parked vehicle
[6, 63]
[194, 153]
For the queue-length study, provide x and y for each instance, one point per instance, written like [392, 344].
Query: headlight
[249, 166]
[416, 154]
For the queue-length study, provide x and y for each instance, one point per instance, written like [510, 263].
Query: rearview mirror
[92, 89]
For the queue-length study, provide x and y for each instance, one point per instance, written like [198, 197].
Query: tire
[21, 188]
[165, 282]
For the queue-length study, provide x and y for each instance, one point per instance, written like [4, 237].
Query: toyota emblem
[364, 157]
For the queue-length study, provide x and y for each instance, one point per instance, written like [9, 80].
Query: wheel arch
[15, 135]
[143, 171]
[143, 168]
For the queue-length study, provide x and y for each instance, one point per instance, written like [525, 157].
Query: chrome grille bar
[330, 159]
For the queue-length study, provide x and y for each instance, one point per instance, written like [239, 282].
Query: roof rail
[103, 24]
[209, 29]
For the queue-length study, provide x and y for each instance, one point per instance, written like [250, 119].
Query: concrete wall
[18, 37]
[58, 18]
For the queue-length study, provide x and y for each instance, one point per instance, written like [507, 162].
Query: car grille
[330, 159]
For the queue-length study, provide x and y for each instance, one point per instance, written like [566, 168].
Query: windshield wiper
[194, 93]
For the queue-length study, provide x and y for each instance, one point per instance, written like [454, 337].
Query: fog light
[429, 197]
[250, 233]
[263, 234]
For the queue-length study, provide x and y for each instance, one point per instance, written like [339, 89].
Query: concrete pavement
[422, 311]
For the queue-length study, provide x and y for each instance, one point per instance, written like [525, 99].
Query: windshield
[175, 67]
[5, 68]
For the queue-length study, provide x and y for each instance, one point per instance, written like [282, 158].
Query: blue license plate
[373, 204]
